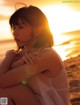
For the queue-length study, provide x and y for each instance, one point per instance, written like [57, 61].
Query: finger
[32, 58]
[26, 59]
[29, 58]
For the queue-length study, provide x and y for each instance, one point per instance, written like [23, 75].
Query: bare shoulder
[51, 57]
[53, 60]
[49, 52]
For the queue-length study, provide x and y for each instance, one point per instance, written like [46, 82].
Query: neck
[30, 44]
[28, 49]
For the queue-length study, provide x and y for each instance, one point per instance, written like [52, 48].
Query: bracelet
[25, 82]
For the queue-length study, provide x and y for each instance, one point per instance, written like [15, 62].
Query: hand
[6, 63]
[11, 53]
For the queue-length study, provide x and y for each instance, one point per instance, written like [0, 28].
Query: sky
[63, 15]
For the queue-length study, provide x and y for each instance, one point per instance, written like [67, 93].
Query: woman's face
[22, 33]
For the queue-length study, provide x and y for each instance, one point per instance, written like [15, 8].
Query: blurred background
[64, 22]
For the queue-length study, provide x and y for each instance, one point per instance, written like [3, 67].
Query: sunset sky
[63, 15]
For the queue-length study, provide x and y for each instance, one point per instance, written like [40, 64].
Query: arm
[25, 71]
[5, 65]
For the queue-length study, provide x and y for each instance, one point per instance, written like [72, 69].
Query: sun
[61, 19]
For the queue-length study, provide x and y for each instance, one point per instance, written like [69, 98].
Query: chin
[20, 45]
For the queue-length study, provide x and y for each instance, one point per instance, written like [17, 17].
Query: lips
[17, 40]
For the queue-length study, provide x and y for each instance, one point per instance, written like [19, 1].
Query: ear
[37, 31]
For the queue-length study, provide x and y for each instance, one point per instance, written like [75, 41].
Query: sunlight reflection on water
[69, 46]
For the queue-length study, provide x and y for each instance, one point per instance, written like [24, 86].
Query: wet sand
[73, 72]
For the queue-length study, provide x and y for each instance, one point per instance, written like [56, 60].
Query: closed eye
[20, 26]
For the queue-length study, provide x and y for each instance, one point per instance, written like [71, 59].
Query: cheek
[27, 35]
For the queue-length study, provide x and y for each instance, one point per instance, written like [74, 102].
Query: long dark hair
[35, 17]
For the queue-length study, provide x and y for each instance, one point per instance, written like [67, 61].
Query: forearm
[25, 72]
[17, 63]
[14, 77]
[5, 65]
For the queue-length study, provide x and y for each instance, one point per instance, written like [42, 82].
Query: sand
[73, 72]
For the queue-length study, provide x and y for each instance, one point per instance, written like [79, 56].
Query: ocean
[70, 45]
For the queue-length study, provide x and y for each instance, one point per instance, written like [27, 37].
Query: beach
[72, 65]
[73, 72]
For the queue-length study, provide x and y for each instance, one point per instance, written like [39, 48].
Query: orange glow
[61, 50]
[61, 19]
[5, 32]
[6, 11]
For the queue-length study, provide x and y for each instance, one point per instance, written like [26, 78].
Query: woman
[34, 74]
